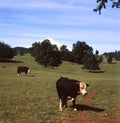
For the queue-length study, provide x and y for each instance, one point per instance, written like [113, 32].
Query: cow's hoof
[75, 109]
[61, 110]
[18, 74]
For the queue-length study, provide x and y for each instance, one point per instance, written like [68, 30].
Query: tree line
[112, 55]
[47, 54]
[6, 52]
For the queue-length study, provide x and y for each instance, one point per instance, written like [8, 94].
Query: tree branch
[102, 4]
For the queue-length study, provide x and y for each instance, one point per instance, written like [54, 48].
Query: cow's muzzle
[83, 94]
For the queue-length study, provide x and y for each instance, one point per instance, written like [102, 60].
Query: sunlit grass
[33, 98]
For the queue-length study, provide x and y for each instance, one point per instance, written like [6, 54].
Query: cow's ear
[87, 85]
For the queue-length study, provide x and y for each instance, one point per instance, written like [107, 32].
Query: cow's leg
[60, 104]
[65, 102]
[74, 107]
[25, 73]
[18, 74]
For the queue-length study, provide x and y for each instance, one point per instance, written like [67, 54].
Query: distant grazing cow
[23, 69]
[69, 89]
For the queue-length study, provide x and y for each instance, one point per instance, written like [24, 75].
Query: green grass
[33, 99]
[108, 96]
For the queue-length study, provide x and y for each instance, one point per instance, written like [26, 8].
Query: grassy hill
[33, 98]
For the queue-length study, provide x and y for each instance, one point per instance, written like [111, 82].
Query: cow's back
[22, 69]
[66, 87]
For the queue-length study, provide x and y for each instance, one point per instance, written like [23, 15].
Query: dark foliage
[115, 55]
[80, 49]
[6, 52]
[83, 54]
[46, 54]
[66, 55]
[109, 59]
[100, 59]
[90, 62]
[116, 4]
[21, 50]
[55, 59]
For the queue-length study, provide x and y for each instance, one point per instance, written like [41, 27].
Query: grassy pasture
[33, 99]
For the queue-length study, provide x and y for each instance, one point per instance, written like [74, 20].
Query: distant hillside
[21, 50]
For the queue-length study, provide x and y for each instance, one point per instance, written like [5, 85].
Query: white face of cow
[29, 71]
[83, 87]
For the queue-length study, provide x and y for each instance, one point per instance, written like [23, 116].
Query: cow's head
[83, 86]
[29, 71]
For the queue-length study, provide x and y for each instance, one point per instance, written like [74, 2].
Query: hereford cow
[69, 89]
[24, 69]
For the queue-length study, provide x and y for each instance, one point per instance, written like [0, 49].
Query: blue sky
[23, 22]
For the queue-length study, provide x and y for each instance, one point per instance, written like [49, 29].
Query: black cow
[23, 69]
[69, 89]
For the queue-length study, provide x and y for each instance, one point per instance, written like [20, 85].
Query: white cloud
[52, 41]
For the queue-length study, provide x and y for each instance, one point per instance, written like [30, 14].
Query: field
[33, 98]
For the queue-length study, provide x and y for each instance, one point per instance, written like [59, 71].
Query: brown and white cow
[24, 69]
[69, 89]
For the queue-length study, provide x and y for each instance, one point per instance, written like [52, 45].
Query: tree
[97, 52]
[35, 50]
[100, 59]
[46, 54]
[69, 56]
[102, 4]
[83, 54]
[63, 51]
[109, 59]
[6, 52]
[66, 55]
[80, 49]
[55, 59]
[90, 62]
[117, 55]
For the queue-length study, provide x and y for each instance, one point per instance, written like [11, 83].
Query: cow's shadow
[81, 107]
